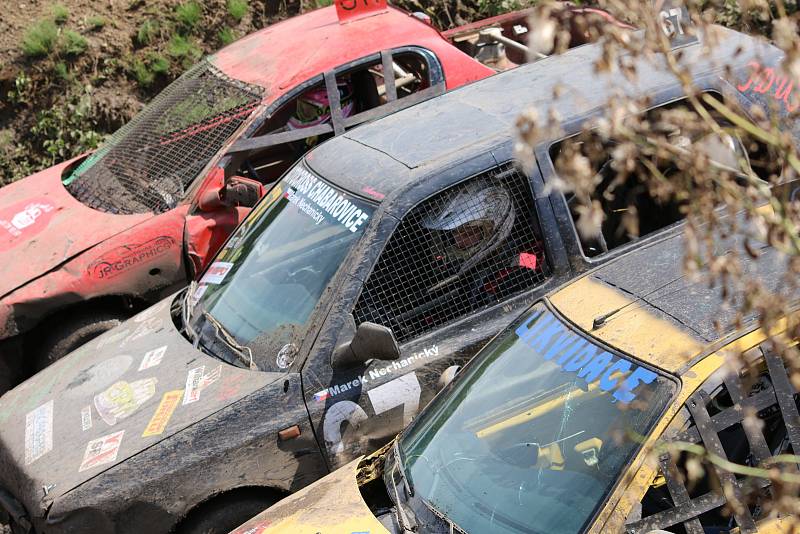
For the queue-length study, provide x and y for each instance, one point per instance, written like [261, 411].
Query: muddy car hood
[114, 398]
[42, 223]
[332, 505]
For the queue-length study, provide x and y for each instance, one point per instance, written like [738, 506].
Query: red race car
[86, 243]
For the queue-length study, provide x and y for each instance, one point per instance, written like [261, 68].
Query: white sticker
[403, 391]
[286, 356]
[217, 272]
[152, 358]
[150, 326]
[86, 418]
[102, 451]
[197, 381]
[38, 432]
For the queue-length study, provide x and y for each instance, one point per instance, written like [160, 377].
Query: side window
[631, 208]
[715, 418]
[360, 89]
[475, 244]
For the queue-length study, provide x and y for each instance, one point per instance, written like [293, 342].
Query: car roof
[658, 313]
[295, 50]
[414, 143]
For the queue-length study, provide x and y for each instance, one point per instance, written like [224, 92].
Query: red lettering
[755, 67]
[767, 75]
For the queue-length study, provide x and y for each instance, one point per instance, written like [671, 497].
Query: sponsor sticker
[38, 432]
[217, 272]
[152, 358]
[126, 257]
[86, 418]
[101, 451]
[322, 202]
[197, 380]
[169, 402]
[150, 326]
[24, 220]
[123, 398]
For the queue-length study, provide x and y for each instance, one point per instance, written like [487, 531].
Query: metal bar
[784, 392]
[388, 75]
[729, 416]
[274, 139]
[697, 407]
[758, 445]
[678, 491]
[681, 514]
[335, 102]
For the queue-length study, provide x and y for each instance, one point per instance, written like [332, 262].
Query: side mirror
[371, 341]
[237, 191]
[448, 375]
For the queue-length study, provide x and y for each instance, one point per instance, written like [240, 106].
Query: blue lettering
[581, 358]
[591, 371]
[638, 376]
[606, 383]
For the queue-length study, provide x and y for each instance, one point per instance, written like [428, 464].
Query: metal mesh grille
[419, 284]
[148, 164]
[717, 424]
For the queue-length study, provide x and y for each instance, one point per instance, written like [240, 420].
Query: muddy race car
[383, 258]
[548, 429]
[88, 242]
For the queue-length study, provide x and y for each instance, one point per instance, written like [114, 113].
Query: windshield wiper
[406, 523]
[243, 352]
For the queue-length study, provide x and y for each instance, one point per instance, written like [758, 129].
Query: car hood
[42, 223]
[129, 389]
[332, 505]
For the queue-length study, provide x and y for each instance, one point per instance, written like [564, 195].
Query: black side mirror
[370, 342]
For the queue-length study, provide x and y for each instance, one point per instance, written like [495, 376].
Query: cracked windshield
[542, 427]
[254, 302]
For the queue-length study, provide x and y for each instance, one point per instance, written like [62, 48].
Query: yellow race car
[569, 421]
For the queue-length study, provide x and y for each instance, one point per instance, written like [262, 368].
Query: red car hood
[42, 226]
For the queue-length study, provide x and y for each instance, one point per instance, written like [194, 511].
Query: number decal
[672, 22]
[404, 391]
[337, 414]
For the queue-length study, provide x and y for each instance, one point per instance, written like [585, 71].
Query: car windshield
[534, 435]
[148, 165]
[258, 295]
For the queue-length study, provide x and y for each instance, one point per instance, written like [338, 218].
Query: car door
[272, 145]
[439, 319]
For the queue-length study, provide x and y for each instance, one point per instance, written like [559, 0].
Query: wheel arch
[270, 495]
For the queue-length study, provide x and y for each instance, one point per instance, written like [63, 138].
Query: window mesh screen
[147, 164]
[470, 246]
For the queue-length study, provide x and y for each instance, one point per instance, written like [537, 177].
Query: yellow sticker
[169, 402]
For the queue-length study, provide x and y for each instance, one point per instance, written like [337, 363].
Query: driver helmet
[314, 108]
[470, 224]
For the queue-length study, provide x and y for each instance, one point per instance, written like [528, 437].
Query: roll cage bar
[340, 124]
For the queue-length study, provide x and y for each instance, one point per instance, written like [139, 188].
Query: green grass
[60, 13]
[158, 63]
[74, 44]
[40, 39]
[189, 14]
[141, 73]
[146, 33]
[96, 23]
[226, 36]
[62, 71]
[237, 9]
